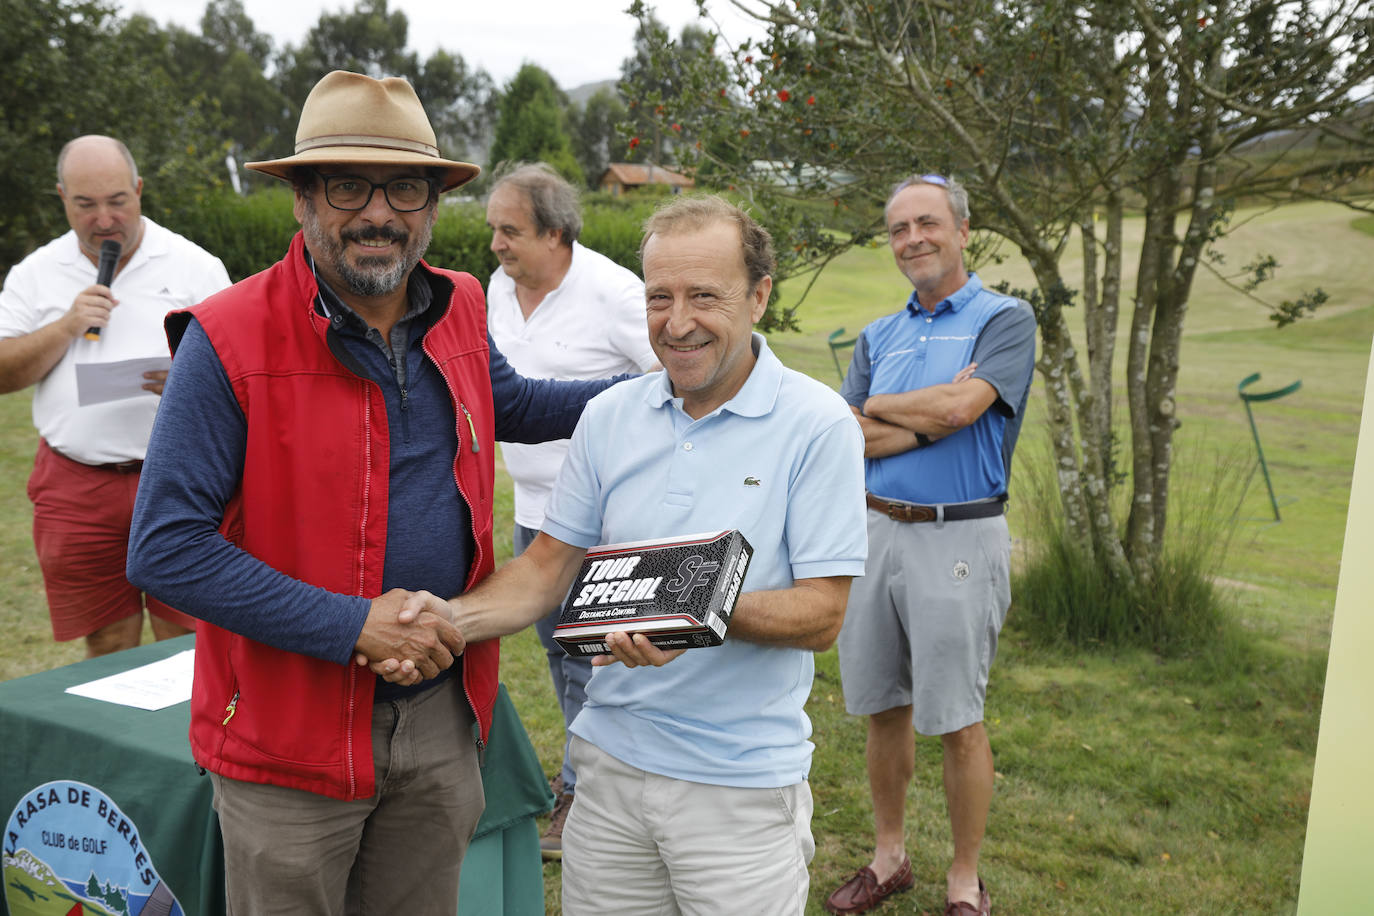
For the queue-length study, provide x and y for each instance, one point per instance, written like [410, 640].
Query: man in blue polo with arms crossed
[939, 388]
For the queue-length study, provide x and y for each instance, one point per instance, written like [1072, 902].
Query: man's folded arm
[936, 410]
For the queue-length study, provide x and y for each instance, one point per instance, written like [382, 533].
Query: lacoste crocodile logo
[752, 482]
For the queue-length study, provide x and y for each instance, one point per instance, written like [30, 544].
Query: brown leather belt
[952, 512]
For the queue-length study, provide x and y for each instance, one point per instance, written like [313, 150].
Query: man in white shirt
[54, 318]
[556, 310]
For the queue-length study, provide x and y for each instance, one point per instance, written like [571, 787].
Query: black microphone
[104, 275]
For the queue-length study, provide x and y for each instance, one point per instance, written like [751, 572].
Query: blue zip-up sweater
[233, 589]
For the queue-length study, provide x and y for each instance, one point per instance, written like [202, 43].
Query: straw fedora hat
[353, 119]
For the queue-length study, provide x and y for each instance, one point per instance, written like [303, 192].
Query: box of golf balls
[679, 592]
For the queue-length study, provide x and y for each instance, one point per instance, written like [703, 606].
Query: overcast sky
[578, 41]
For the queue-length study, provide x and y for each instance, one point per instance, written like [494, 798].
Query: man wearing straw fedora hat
[324, 448]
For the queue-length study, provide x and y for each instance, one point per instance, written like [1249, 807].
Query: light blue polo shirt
[913, 349]
[782, 461]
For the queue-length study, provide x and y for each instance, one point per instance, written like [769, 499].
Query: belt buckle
[909, 512]
[922, 513]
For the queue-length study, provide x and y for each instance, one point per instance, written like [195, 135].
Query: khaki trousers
[640, 844]
[296, 853]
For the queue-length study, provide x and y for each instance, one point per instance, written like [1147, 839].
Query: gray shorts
[922, 623]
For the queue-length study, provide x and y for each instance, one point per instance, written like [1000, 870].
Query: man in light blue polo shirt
[939, 388]
[692, 793]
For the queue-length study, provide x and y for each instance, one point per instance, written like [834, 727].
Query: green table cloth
[106, 812]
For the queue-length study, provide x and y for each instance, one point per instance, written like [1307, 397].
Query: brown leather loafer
[961, 908]
[863, 891]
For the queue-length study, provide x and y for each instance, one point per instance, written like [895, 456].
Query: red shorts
[81, 518]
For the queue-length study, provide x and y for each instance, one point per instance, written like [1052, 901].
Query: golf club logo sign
[70, 851]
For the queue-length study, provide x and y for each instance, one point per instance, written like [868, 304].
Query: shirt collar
[962, 297]
[754, 399]
[574, 261]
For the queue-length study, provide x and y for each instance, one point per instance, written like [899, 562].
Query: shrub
[251, 233]
[462, 241]
[248, 233]
[615, 229]
[1064, 595]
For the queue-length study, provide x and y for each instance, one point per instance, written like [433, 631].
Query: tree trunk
[1078, 460]
[1173, 308]
[1057, 364]
[1159, 177]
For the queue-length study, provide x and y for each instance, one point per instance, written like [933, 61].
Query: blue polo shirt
[914, 349]
[780, 461]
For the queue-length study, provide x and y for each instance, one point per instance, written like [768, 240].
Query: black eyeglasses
[353, 192]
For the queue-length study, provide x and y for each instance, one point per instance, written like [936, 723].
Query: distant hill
[580, 94]
[1353, 123]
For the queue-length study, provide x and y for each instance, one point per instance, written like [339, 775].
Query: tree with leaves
[532, 125]
[595, 130]
[654, 82]
[371, 38]
[74, 67]
[223, 70]
[1059, 117]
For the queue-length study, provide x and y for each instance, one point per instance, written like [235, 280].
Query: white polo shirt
[592, 326]
[166, 272]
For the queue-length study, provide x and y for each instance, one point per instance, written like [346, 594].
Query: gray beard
[376, 279]
[372, 277]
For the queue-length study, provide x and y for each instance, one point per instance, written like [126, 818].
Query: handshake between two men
[407, 640]
[410, 637]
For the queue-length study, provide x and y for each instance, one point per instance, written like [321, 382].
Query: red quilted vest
[313, 504]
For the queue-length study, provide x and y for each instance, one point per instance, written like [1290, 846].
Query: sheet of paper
[100, 382]
[155, 686]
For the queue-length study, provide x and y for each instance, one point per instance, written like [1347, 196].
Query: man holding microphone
[56, 314]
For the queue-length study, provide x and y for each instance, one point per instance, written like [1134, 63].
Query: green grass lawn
[1126, 783]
